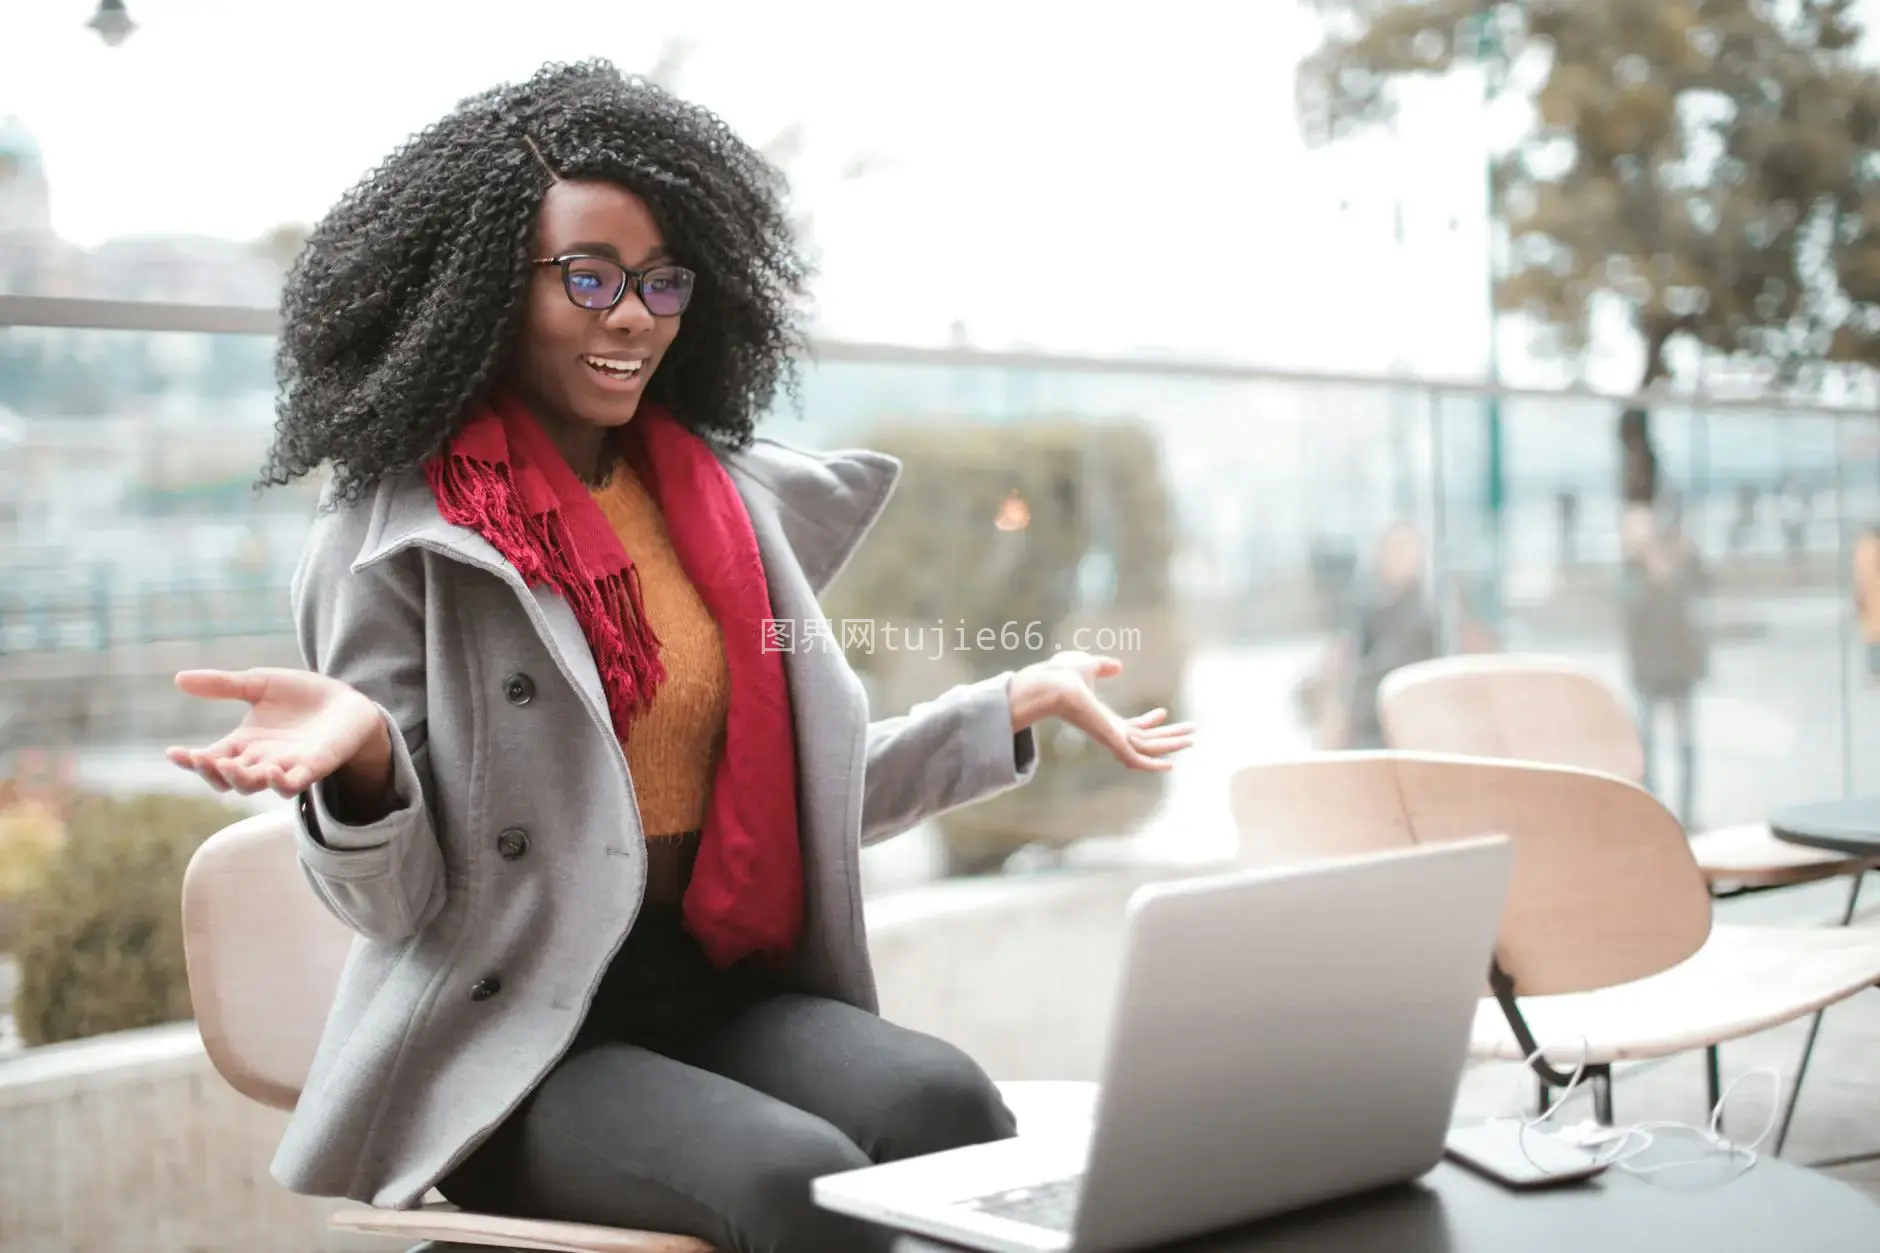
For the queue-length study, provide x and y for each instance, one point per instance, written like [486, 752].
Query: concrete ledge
[131, 1143]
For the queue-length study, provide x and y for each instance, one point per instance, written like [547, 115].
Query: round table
[1850, 826]
[1772, 1208]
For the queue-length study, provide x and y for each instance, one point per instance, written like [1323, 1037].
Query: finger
[244, 779]
[1177, 728]
[268, 765]
[223, 767]
[1139, 761]
[205, 765]
[291, 769]
[1163, 748]
[1106, 667]
[1143, 739]
[222, 684]
[228, 746]
[232, 745]
[256, 754]
[1149, 719]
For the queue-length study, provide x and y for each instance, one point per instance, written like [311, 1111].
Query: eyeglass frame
[633, 284]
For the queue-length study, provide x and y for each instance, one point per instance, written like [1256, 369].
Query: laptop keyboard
[1050, 1205]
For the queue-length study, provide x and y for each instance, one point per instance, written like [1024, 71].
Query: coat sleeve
[384, 879]
[951, 751]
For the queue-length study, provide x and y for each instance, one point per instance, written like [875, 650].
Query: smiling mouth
[616, 367]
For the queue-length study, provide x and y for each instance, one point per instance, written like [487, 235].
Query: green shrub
[99, 942]
[1094, 552]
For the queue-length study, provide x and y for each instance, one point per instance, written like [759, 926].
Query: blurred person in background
[1743, 521]
[597, 826]
[1392, 622]
[1867, 595]
[1662, 580]
[1567, 521]
[1797, 509]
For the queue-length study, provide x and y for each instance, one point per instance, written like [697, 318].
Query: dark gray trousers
[703, 1102]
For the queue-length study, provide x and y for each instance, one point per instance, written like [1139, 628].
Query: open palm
[299, 729]
[1143, 742]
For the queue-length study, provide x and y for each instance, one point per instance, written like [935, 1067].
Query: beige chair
[264, 960]
[1557, 711]
[1607, 942]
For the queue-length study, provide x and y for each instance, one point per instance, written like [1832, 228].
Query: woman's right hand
[301, 727]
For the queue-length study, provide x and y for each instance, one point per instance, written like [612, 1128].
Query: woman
[594, 814]
[1662, 581]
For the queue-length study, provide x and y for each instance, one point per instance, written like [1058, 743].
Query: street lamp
[1479, 35]
[112, 23]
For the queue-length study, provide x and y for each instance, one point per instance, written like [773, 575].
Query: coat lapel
[405, 516]
[810, 513]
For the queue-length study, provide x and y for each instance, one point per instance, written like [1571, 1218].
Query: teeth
[619, 367]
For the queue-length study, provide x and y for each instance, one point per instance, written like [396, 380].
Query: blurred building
[34, 261]
[32, 258]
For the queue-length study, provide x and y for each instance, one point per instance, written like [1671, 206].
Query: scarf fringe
[483, 497]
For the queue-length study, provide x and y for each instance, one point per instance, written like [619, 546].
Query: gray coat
[488, 903]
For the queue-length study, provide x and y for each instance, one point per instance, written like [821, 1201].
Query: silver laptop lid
[1285, 1036]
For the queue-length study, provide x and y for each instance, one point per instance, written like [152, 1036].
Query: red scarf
[502, 477]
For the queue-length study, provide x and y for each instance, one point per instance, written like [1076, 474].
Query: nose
[630, 314]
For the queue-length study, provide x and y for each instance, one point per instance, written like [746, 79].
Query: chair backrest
[1520, 706]
[1605, 888]
[264, 958]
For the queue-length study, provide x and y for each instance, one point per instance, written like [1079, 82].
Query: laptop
[1280, 1037]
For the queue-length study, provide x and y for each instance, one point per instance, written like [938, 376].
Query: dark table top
[1843, 826]
[1774, 1207]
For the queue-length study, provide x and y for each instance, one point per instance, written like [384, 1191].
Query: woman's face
[583, 365]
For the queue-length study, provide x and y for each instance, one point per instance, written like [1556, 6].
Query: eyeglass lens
[596, 283]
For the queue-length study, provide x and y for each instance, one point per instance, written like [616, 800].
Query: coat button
[519, 689]
[483, 989]
[513, 843]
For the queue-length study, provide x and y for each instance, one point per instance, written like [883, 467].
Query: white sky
[1045, 159]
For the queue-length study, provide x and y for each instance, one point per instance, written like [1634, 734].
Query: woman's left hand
[1064, 687]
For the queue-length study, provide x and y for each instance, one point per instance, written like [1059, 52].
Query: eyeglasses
[600, 283]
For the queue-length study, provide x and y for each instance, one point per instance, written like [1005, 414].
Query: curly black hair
[407, 300]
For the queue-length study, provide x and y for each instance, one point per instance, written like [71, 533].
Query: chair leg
[1599, 1078]
[1713, 1082]
[1602, 1095]
[1853, 898]
[1814, 1029]
[1795, 1089]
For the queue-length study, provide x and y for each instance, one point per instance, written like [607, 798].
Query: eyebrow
[661, 253]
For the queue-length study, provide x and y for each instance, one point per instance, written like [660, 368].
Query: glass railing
[1215, 527]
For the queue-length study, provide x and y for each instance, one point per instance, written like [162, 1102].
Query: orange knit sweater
[674, 745]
